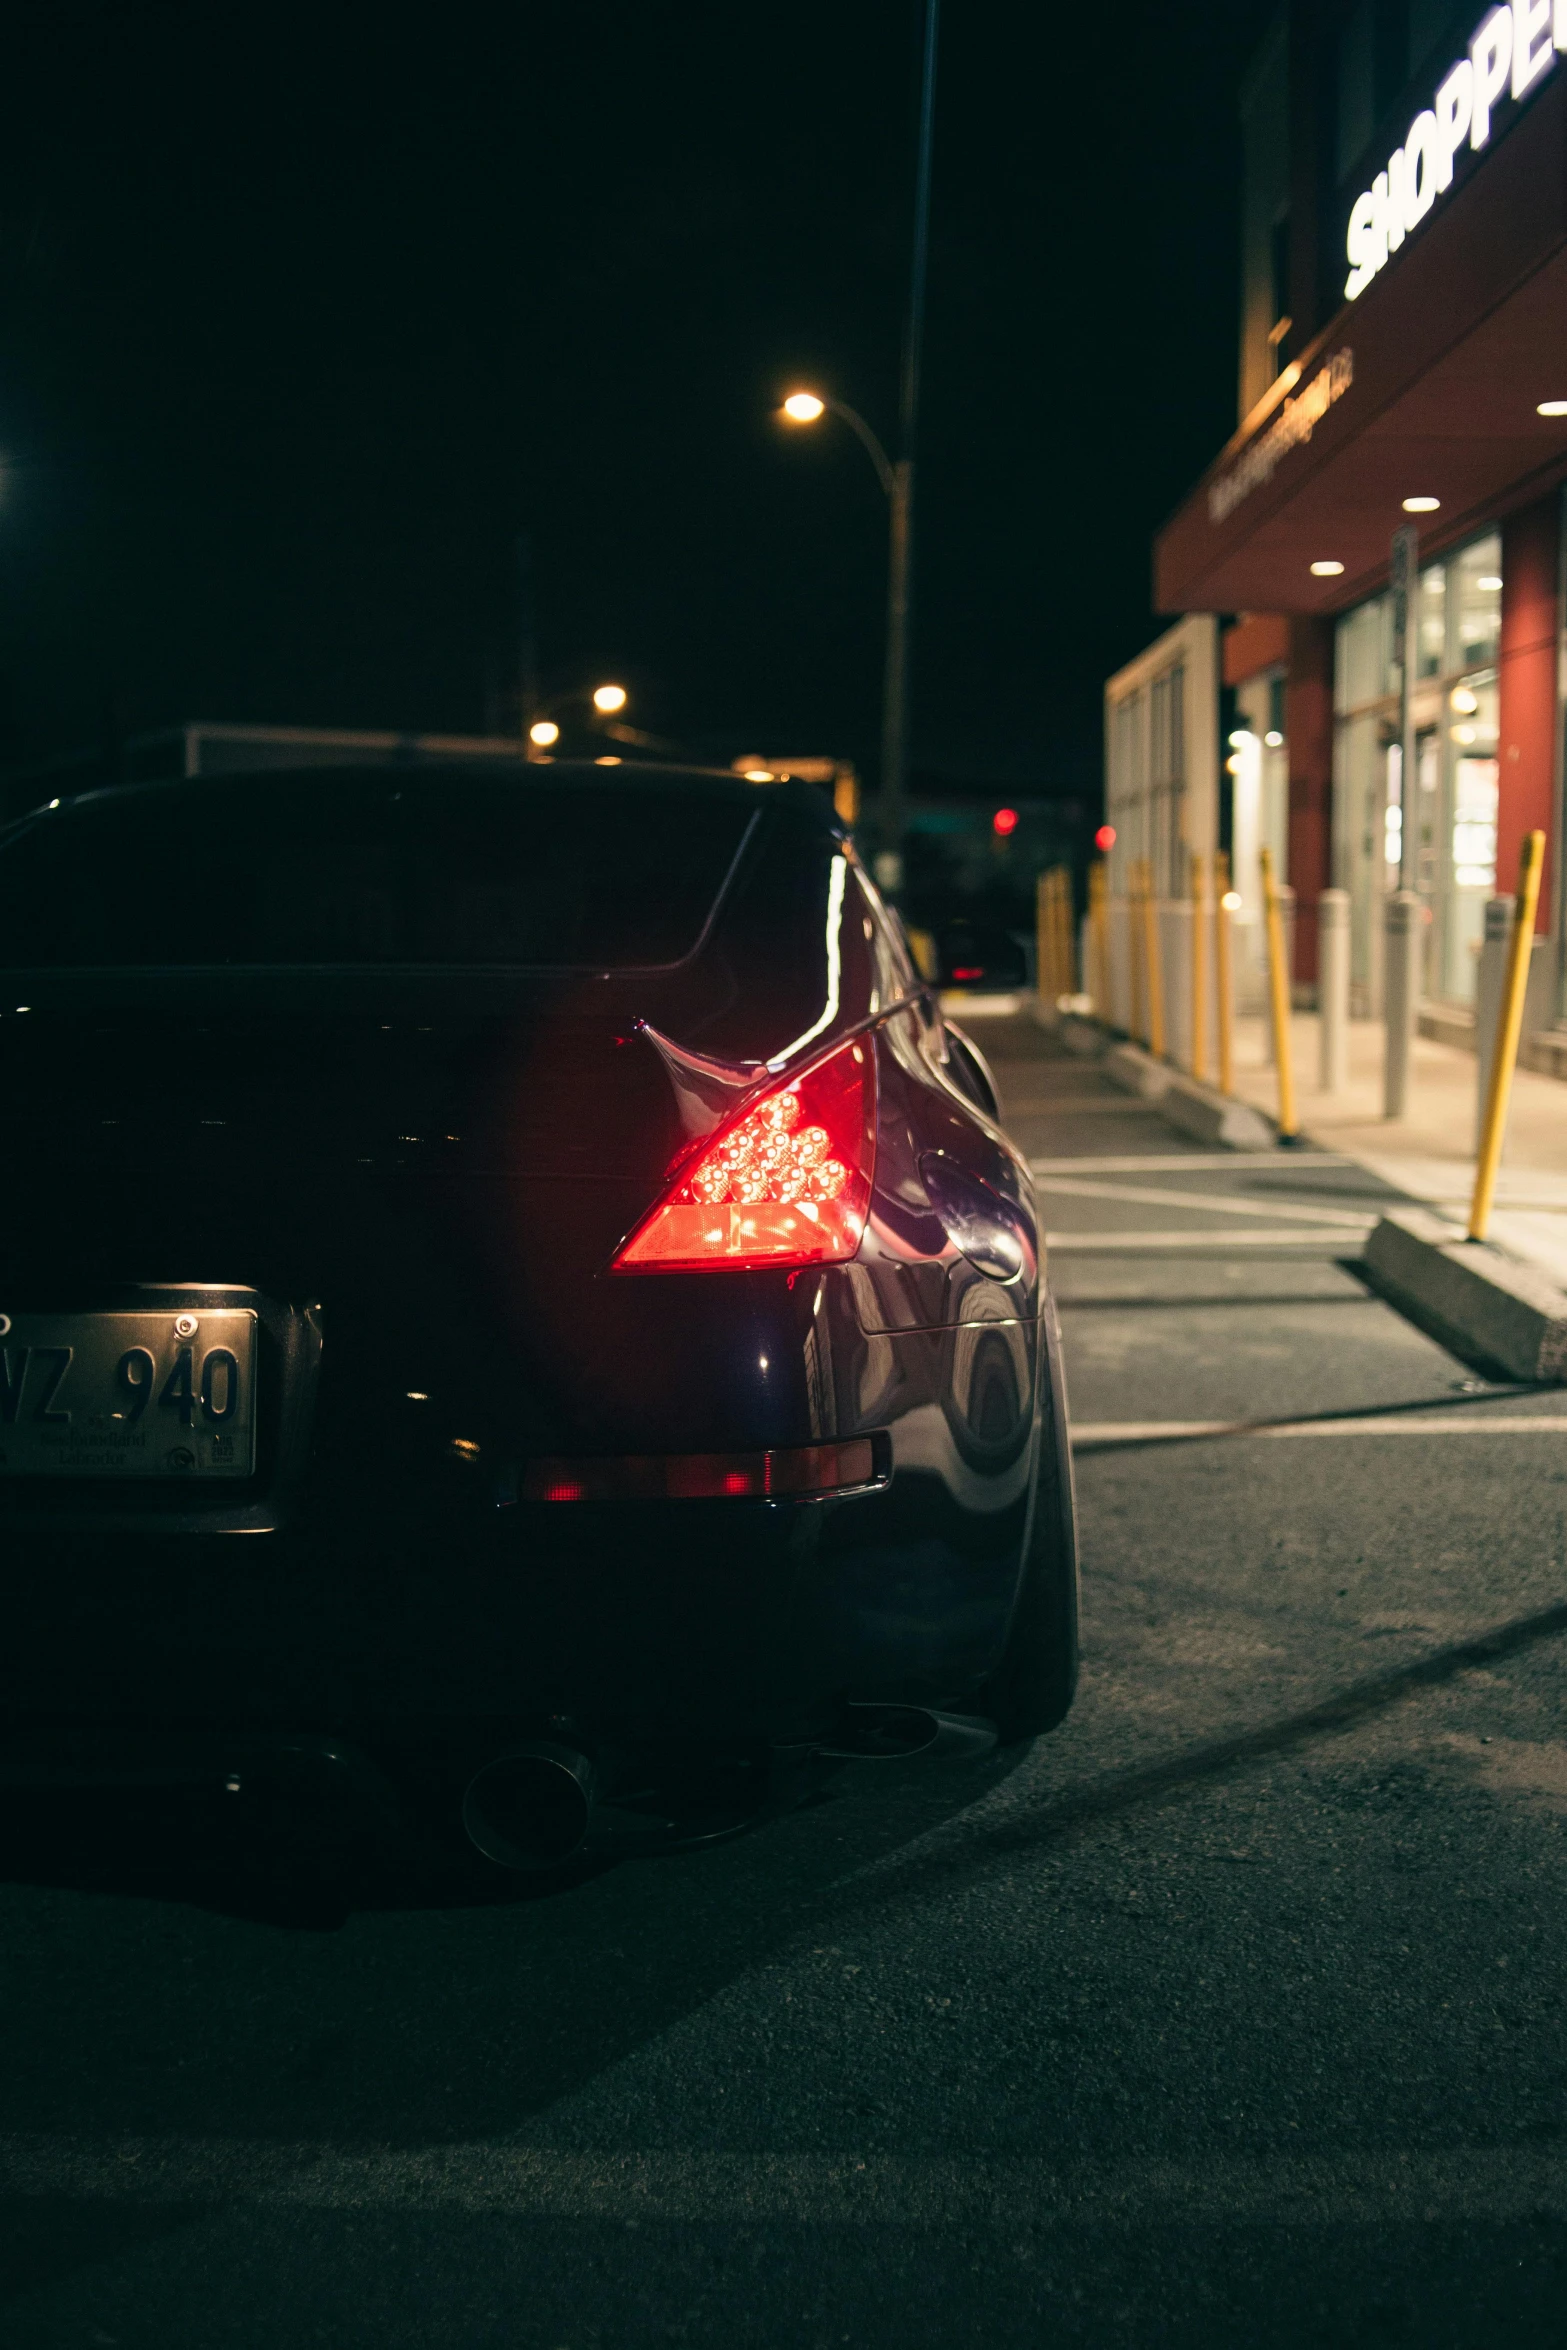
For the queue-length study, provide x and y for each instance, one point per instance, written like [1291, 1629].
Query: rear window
[415, 867]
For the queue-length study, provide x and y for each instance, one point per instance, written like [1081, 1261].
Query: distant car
[508, 1286]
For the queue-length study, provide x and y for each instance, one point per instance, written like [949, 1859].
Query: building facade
[1403, 367]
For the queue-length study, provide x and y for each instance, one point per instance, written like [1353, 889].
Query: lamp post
[897, 479]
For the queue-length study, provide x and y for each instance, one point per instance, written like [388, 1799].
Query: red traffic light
[1104, 838]
[1004, 821]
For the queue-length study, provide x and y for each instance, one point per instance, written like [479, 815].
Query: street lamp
[544, 733]
[897, 481]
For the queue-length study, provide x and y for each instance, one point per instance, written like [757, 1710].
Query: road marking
[676, 2186]
[1110, 1243]
[1087, 1105]
[1088, 1433]
[1208, 1203]
[1192, 1162]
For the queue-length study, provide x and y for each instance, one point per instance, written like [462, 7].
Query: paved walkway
[1430, 1152]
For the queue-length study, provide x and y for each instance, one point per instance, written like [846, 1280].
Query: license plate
[128, 1395]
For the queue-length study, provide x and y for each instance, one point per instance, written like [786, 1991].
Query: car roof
[718, 784]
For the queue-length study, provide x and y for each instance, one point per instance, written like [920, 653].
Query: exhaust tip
[531, 1808]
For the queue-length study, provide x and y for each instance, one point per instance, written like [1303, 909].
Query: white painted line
[1110, 1243]
[1207, 1203]
[1114, 1105]
[1091, 1432]
[675, 2186]
[1190, 1162]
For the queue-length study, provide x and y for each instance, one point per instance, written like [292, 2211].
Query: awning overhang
[1426, 386]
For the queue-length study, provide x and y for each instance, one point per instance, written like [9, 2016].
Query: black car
[508, 1285]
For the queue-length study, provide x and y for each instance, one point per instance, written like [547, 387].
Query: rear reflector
[787, 1182]
[705, 1476]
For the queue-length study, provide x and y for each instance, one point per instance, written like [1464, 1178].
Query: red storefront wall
[1308, 728]
[1304, 647]
[1527, 691]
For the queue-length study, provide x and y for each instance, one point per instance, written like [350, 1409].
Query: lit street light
[544, 733]
[897, 481]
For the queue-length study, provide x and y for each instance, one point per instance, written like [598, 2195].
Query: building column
[1308, 731]
[1526, 748]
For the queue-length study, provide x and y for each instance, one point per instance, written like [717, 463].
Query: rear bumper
[702, 1622]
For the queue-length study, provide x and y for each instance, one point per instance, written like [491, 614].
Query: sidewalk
[1430, 1152]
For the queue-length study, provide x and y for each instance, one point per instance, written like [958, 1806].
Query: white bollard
[1490, 978]
[1401, 995]
[1333, 989]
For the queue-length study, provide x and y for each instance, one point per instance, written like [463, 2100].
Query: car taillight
[804, 1469]
[787, 1182]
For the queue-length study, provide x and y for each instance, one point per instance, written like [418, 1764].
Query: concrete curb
[1196, 1109]
[1215, 1117]
[1465, 1292]
[1135, 1071]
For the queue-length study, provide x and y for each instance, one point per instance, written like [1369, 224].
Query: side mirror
[986, 960]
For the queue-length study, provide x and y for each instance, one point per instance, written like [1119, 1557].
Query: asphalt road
[1233, 2015]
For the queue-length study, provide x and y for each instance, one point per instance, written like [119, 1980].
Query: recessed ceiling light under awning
[1430, 385]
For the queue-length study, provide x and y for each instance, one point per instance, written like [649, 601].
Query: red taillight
[787, 1182]
[968, 971]
[706, 1476]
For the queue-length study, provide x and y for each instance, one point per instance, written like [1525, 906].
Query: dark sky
[304, 314]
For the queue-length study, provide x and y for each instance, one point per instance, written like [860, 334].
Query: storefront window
[1450, 807]
[1477, 596]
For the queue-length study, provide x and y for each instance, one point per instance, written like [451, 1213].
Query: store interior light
[1326, 569]
[1551, 408]
[544, 731]
[1273, 739]
[1421, 505]
[609, 697]
[1231, 901]
[1491, 584]
[1464, 700]
[1465, 735]
[1241, 737]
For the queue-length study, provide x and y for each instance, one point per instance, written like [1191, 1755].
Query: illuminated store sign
[1513, 48]
[1294, 424]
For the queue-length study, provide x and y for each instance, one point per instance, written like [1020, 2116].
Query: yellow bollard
[1279, 1000]
[1064, 921]
[1042, 938]
[1509, 1027]
[1155, 964]
[1223, 983]
[1199, 971]
[1134, 949]
[1099, 932]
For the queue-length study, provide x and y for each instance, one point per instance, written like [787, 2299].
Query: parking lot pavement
[1233, 2014]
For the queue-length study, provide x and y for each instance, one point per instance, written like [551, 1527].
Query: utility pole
[895, 698]
[527, 642]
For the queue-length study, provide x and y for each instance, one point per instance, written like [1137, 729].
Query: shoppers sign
[1508, 55]
[1294, 423]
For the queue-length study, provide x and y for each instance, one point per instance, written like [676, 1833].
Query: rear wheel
[1032, 1687]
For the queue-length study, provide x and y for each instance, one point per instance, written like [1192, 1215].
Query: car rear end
[340, 1413]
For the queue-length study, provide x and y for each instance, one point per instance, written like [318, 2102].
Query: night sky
[303, 316]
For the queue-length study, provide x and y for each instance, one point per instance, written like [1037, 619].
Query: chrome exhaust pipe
[531, 1808]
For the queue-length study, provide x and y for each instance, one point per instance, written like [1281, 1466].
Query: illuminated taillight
[800, 1469]
[787, 1182]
